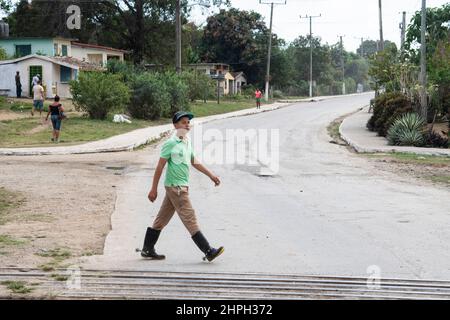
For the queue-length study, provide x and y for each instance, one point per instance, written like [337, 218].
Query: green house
[20, 47]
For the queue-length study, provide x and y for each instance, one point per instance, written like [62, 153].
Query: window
[55, 49]
[23, 50]
[64, 50]
[65, 74]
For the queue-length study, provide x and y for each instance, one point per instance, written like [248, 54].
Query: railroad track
[133, 284]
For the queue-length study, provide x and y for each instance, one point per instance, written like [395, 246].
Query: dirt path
[64, 206]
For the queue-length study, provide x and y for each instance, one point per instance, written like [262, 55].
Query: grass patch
[6, 241]
[18, 106]
[412, 158]
[58, 256]
[201, 109]
[32, 132]
[78, 129]
[441, 179]
[59, 277]
[8, 201]
[17, 286]
[55, 253]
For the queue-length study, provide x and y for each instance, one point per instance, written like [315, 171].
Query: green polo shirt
[178, 154]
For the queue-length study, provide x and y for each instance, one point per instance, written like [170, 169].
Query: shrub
[150, 98]
[99, 93]
[388, 107]
[278, 94]
[178, 93]
[435, 140]
[126, 70]
[407, 130]
[200, 85]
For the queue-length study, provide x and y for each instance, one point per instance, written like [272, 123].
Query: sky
[353, 19]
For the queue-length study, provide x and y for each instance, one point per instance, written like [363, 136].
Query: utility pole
[178, 35]
[343, 66]
[310, 52]
[270, 46]
[403, 30]
[362, 47]
[381, 45]
[423, 61]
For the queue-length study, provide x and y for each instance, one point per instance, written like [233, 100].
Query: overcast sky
[352, 18]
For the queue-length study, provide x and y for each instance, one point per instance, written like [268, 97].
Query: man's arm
[153, 194]
[200, 167]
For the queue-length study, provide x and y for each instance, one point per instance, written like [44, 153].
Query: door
[34, 70]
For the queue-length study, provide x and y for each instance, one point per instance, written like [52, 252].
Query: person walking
[177, 153]
[18, 85]
[56, 112]
[38, 98]
[258, 95]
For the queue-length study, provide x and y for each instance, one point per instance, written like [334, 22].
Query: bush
[126, 70]
[278, 94]
[435, 140]
[178, 92]
[200, 85]
[407, 130]
[150, 98]
[99, 93]
[388, 107]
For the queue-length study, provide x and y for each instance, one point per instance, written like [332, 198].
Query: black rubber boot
[148, 251]
[203, 245]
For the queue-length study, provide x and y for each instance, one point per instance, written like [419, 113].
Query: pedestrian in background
[258, 95]
[18, 85]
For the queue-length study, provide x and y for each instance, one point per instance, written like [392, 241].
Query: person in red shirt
[258, 95]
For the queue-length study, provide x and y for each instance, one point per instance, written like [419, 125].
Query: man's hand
[152, 195]
[216, 180]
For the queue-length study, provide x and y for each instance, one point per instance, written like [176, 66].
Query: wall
[82, 53]
[44, 46]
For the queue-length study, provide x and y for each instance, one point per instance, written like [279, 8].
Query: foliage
[178, 93]
[407, 130]
[384, 70]
[150, 98]
[435, 140]
[387, 108]
[200, 86]
[3, 55]
[99, 93]
[437, 30]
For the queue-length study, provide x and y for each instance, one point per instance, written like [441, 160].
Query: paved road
[326, 212]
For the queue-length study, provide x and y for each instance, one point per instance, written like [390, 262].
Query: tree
[438, 27]
[371, 47]
[239, 38]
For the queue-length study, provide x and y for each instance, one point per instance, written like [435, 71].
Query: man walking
[178, 154]
[38, 98]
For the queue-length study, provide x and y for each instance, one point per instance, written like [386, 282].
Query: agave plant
[407, 131]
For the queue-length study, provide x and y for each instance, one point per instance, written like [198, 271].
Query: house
[55, 72]
[56, 46]
[96, 54]
[231, 82]
[240, 80]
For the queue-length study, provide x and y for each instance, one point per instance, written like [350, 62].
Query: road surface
[326, 211]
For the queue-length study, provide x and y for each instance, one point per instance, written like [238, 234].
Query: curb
[361, 148]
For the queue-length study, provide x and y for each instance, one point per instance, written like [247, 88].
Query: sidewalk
[354, 131]
[134, 139]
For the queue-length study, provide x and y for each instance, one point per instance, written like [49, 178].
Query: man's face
[183, 126]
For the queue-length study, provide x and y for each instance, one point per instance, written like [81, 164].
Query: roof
[81, 64]
[240, 73]
[207, 64]
[95, 46]
[45, 58]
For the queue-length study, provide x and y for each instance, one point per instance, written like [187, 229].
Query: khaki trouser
[177, 199]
